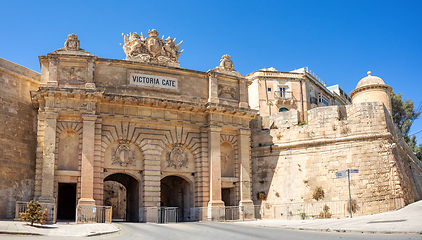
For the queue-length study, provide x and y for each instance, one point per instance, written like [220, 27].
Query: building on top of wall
[341, 98]
[295, 166]
[272, 91]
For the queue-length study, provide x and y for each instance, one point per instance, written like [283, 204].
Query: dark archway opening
[66, 201]
[175, 192]
[132, 194]
[226, 196]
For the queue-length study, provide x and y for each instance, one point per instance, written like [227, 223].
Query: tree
[404, 114]
[34, 213]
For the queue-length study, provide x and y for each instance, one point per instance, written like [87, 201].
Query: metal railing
[51, 210]
[223, 213]
[93, 214]
[336, 209]
[168, 214]
[234, 213]
[283, 95]
[159, 214]
[314, 75]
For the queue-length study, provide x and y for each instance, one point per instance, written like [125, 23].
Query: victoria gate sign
[152, 81]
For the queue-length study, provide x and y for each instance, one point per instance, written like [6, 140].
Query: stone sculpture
[152, 49]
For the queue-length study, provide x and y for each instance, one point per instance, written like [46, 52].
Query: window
[322, 99]
[269, 89]
[283, 109]
[282, 92]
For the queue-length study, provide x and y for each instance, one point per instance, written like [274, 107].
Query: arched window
[283, 109]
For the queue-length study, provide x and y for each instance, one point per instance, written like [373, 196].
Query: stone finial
[152, 49]
[226, 66]
[369, 73]
[226, 63]
[72, 45]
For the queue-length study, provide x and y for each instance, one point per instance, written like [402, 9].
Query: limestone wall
[290, 162]
[17, 135]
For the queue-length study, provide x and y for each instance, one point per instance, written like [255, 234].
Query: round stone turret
[372, 89]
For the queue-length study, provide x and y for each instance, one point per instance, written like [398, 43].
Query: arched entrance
[175, 192]
[131, 187]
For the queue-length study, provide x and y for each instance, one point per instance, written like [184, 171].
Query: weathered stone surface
[290, 162]
[17, 135]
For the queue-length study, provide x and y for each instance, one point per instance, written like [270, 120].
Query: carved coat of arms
[152, 48]
[123, 155]
[177, 157]
[226, 91]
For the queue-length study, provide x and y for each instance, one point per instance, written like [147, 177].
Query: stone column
[214, 205]
[245, 173]
[48, 161]
[87, 168]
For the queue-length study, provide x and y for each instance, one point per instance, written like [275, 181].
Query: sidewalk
[407, 220]
[68, 229]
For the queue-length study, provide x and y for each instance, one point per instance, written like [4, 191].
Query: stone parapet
[291, 162]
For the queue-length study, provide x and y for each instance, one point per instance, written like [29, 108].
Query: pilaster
[215, 166]
[213, 87]
[48, 159]
[243, 94]
[87, 168]
[53, 75]
[152, 176]
[245, 173]
[90, 74]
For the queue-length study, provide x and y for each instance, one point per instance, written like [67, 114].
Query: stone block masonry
[289, 162]
[17, 135]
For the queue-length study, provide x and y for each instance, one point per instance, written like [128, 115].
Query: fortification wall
[290, 162]
[17, 135]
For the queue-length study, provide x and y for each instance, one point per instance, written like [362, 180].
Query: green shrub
[34, 213]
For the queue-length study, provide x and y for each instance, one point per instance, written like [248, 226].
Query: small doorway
[66, 201]
[227, 196]
[175, 192]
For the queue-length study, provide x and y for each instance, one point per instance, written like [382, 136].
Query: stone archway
[131, 186]
[176, 192]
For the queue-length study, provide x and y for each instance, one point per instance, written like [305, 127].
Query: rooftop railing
[314, 75]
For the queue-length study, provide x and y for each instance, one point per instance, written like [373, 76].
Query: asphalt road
[218, 231]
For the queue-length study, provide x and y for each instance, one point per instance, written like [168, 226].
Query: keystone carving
[122, 155]
[177, 157]
[152, 49]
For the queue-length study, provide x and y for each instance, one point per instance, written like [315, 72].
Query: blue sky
[338, 40]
